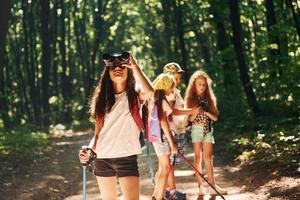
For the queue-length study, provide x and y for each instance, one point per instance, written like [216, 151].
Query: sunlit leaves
[21, 140]
[53, 100]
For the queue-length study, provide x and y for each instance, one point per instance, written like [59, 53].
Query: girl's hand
[212, 116]
[132, 62]
[174, 148]
[200, 109]
[197, 110]
[84, 156]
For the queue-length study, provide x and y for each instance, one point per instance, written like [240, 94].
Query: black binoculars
[203, 104]
[116, 59]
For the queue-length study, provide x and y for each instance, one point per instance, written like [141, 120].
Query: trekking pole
[93, 156]
[202, 176]
[84, 182]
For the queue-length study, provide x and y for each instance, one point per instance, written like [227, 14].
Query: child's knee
[167, 168]
[198, 158]
[208, 159]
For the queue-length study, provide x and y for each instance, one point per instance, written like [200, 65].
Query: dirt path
[56, 174]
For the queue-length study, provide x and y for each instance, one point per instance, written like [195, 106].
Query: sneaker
[167, 194]
[173, 197]
[201, 190]
[219, 189]
[178, 194]
[154, 198]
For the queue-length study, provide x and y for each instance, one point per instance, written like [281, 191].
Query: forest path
[57, 174]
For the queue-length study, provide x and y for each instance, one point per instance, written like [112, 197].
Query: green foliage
[149, 29]
[81, 125]
[267, 141]
[21, 140]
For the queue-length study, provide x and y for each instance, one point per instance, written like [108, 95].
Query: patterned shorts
[180, 139]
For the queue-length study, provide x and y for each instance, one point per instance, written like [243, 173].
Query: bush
[21, 140]
[274, 142]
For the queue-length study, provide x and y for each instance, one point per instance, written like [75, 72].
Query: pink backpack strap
[135, 112]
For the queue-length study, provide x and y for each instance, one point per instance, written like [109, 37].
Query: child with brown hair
[199, 93]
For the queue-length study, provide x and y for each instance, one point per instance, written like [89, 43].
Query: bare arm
[194, 115]
[212, 116]
[84, 155]
[98, 127]
[166, 129]
[148, 89]
[187, 111]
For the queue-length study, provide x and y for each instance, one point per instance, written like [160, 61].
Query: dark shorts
[120, 167]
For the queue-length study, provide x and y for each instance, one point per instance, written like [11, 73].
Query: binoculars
[116, 59]
[203, 104]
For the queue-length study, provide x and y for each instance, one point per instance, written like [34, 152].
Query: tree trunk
[26, 60]
[295, 16]
[273, 53]
[4, 18]
[66, 83]
[46, 56]
[34, 91]
[168, 32]
[255, 30]
[203, 45]
[180, 34]
[22, 107]
[239, 51]
[223, 45]
[283, 38]
[54, 72]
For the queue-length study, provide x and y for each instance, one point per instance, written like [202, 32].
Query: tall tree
[100, 32]
[239, 51]
[66, 82]
[168, 28]
[4, 18]
[223, 44]
[273, 51]
[295, 15]
[55, 52]
[46, 57]
[197, 21]
[180, 33]
[26, 59]
[33, 80]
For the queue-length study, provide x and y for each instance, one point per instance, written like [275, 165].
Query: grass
[21, 140]
[264, 140]
[25, 139]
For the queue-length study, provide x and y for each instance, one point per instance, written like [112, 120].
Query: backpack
[150, 123]
[135, 113]
[154, 130]
[139, 121]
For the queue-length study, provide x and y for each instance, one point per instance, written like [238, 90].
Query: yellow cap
[172, 68]
[163, 82]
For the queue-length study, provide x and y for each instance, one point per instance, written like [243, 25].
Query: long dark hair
[103, 97]
[159, 96]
